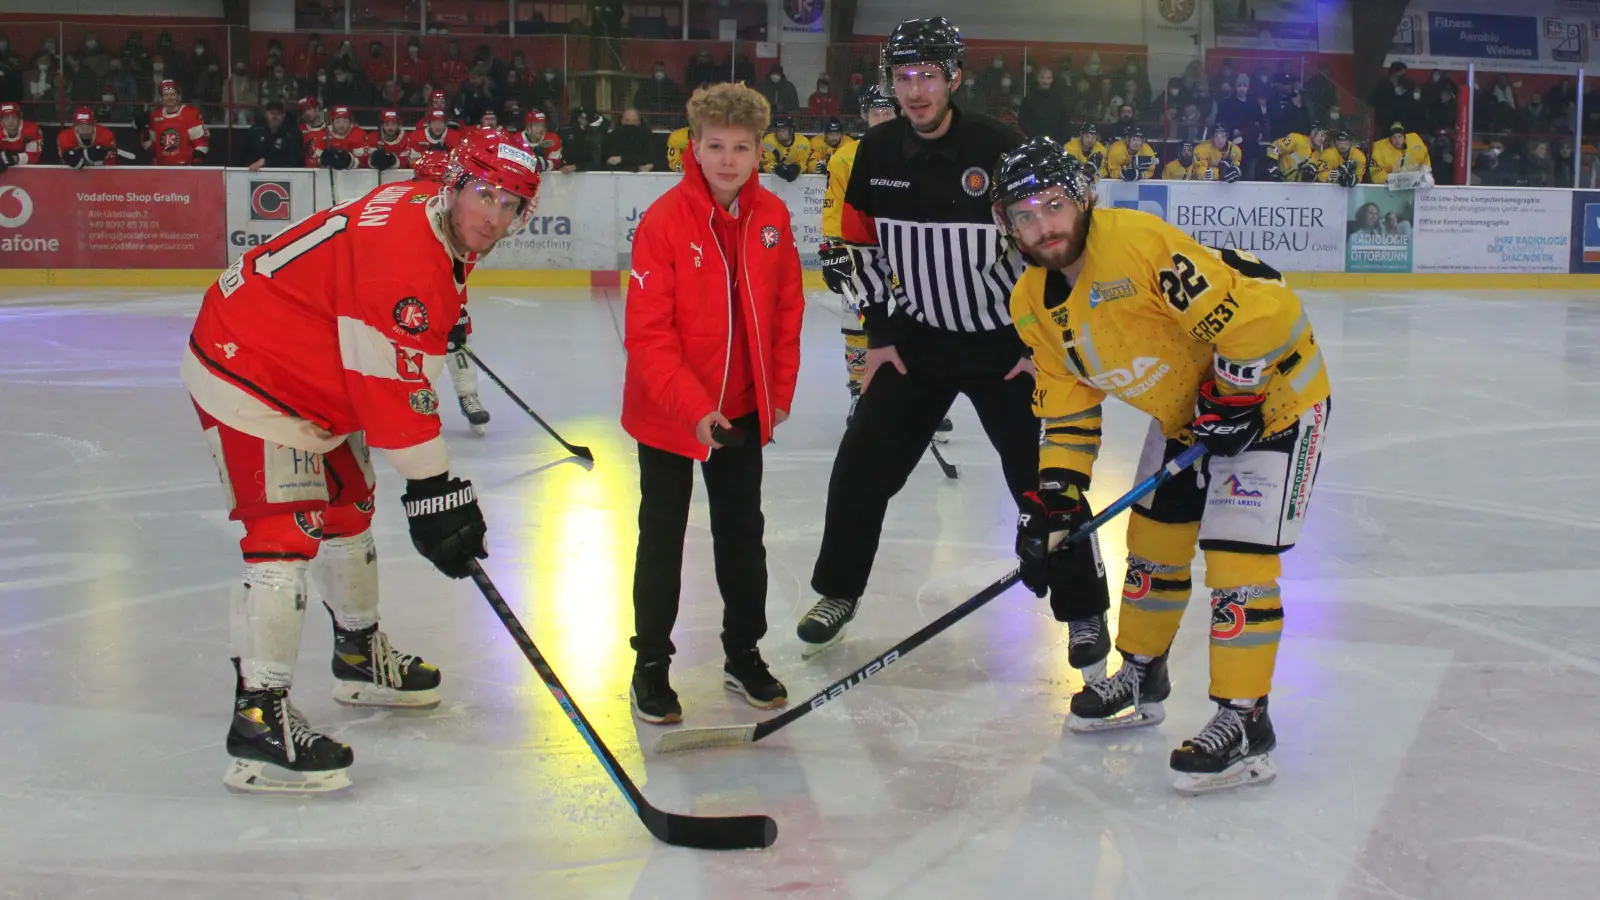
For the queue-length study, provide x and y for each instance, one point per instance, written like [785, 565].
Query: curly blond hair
[732, 105]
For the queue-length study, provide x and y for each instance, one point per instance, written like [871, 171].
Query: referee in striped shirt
[917, 215]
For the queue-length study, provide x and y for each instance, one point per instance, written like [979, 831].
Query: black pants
[733, 487]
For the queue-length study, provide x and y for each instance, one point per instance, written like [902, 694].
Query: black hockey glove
[787, 171]
[1130, 173]
[383, 160]
[1345, 175]
[9, 159]
[1308, 171]
[1230, 171]
[822, 168]
[1055, 510]
[446, 524]
[837, 267]
[141, 119]
[4, 163]
[96, 155]
[74, 158]
[1227, 424]
[457, 338]
[1276, 172]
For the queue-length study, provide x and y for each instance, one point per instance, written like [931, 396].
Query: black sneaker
[1231, 751]
[823, 624]
[654, 700]
[745, 672]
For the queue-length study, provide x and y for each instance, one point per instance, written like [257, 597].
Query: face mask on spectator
[322, 78]
[822, 89]
[660, 76]
[90, 45]
[1333, 117]
[1005, 82]
[775, 77]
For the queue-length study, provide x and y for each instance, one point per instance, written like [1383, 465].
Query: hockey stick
[949, 470]
[731, 735]
[575, 449]
[700, 832]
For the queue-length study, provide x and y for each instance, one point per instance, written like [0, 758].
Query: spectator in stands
[208, 91]
[345, 56]
[274, 58]
[273, 142]
[549, 92]
[1044, 109]
[582, 140]
[412, 97]
[1406, 106]
[40, 86]
[1189, 126]
[519, 64]
[378, 67]
[1381, 97]
[279, 86]
[413, 63]
[10, 77]
[1092, 67]
[969, 98]
[744, 71]
[1244, 116]
[1080, 104]
[1103, 98]
[1281, 114]
[1562, 170]
[1538, 170]
[201, 59]
[997, 69]
[1130, 96]
[1535, 118]
[92, 56]
[1505, 91]
[477, 97]
[124, 91]
[483, 57]
[629, 148]
[243, 94]
[1222, 85]
[83, 86]
[451, 71]
[1294, 117]
[822, 102]
[310, 60]
[341, 89]
[660, 96]
[1066, 76]
[1125, 119]
[780, 93]
[1487, 169]
[702, 70]
[389, 97]
[999, 92]
[1134, 72]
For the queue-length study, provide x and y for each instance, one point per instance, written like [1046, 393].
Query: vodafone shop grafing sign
[110, 219]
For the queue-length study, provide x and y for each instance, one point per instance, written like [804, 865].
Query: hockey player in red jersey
[20, 142]
[175, 135]
[463, 377]
[434, 134]
[86, 143]
[342, 146]
[308, 351]
[391, 146]
[313, 123]
[544, 144]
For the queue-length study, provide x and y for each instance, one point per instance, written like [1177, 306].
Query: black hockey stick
[730, 735]
[575, 449]
[949, 470]
[700, 832]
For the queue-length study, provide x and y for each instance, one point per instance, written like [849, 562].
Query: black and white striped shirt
[918, 224]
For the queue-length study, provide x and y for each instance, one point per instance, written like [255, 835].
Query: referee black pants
[895, 421]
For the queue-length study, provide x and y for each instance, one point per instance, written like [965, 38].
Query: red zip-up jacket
[680, 313]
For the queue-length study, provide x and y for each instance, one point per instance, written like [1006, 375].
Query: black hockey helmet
[932, 40]
[1342, 136]
[834, 125]
[1090, 128]
[875, 97]
[783, 122]
[1032, 168]
[1186, 148]
[1316, 127]
[1131, 132]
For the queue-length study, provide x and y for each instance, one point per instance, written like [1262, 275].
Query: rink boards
[66, 227]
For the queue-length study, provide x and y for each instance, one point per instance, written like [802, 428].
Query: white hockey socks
[347, 575]
[266, 611]
[462, 374]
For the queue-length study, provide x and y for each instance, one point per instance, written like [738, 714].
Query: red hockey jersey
[26, 144]
[422, 140]
[354, 142]
[69, 139]
[401, 147]
[547, 150]
[337, 325]
[178, 138]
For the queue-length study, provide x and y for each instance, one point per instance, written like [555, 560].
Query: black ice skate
[1088, 645]
[1231, 751]
[372, 673]
[477, 416]
[653, 698]
[942, 433]
[746, 673]
[822, 627]
[1128, 699]
[275, 751]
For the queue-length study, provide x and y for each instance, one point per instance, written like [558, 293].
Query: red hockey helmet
[339, 112]
[309, 103]
[83, 115]
[10, 109]
[391, 115]
[168, 85]
[436, 100]
[430, 166]
[486, 156]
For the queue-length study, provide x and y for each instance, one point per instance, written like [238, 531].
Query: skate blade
[733, 684]
[941, 437]
[478, 430]
[249, 776]
[1148, 714]
[359, 693]
[808, 650]
[1251, 772]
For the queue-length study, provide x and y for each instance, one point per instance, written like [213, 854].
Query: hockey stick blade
[950, 471]
[699, 832]
[731, 735]
[577, 450]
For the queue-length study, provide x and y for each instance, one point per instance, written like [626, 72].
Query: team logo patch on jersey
[310, 523]
[170, 139]
[975, 181]
[424, 402]
[1107, 291]
[1060, 315]
[420, 198]
[769, 236]
[411, 316]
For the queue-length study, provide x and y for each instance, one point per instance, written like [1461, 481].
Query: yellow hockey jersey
[1152, 316]
[677, 143]
[844, 159]
[1177, 171]
[1290, 151]
[1331, 159]
[1208, 159]
[822, 151]
[1118, 157]
[1095, 156]
[1386, 160]
[798, 152]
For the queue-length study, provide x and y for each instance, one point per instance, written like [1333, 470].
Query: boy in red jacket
[713, 340]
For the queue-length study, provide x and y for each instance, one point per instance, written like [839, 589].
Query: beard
[1060, 255]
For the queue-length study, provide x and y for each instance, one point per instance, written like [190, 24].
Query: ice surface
[1436, 695]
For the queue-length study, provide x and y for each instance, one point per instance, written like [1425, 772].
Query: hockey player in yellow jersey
[677, 145]
[1343, 163]
[1216, 349]
[1298, 156]
[1182, 168]
[825, 145]
[1130, 158]
[878, 107]
[783, 153]
[1402, 152]
[1218, 158]
[1086, 148]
